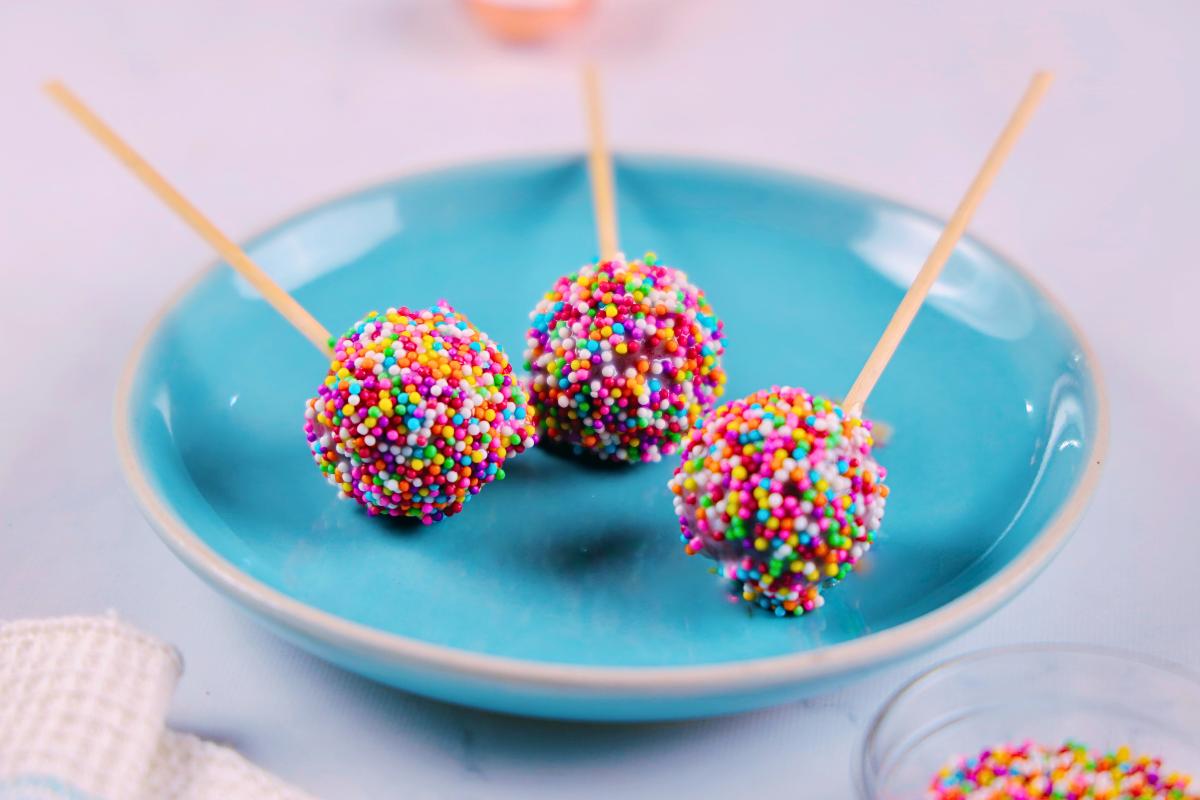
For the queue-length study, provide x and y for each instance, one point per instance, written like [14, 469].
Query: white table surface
[260, 108]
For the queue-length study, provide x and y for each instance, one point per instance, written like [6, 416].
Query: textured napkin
[83, 704]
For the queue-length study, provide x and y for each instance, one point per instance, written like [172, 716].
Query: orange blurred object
[527, 20]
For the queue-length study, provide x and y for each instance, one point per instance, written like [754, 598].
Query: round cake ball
[420, 410]
[624, 357]
[781, 490]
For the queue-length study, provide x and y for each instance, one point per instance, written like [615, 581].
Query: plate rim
[876, 648]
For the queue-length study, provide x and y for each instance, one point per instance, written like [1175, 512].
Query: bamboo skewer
[600, 167]
[856, 398]
[272, 292]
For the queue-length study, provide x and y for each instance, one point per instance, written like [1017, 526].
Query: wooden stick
[600, 167]
[856, 398]
[272, 292]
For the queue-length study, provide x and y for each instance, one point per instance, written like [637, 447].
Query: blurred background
[259, 108]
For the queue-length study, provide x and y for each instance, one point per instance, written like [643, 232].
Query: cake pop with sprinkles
[781, 487]
[419, 411]
[624, 357]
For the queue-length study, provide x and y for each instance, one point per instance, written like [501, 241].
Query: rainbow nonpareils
[781, 490]
[624, 357]
[419, 411]
[1071, 772]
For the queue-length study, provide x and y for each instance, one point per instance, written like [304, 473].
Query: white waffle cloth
[83, 705]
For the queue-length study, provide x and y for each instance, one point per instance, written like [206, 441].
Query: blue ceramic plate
[563, 591]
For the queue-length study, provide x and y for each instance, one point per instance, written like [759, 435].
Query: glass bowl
[1046, 693]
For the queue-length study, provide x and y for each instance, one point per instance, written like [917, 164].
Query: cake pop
[420, 410]
[781, 488]
[624, 356]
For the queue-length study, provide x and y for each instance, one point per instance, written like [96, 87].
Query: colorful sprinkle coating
[624, 356]
[419, 412]
[1070, 772]
[781, 490]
